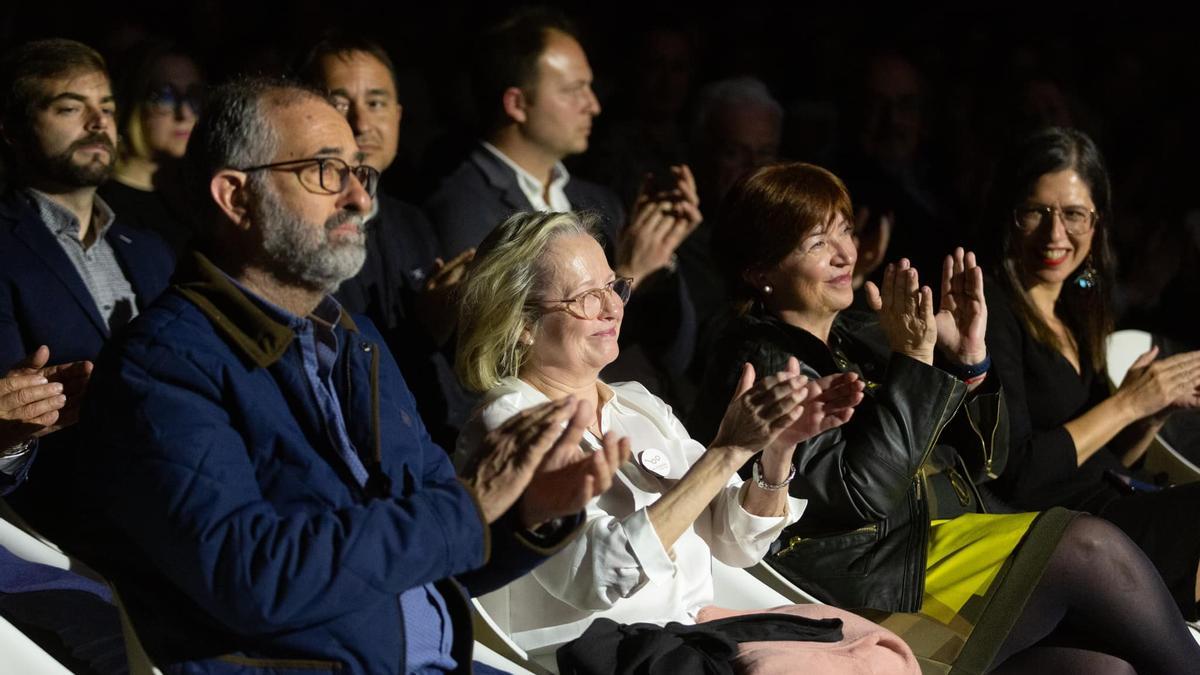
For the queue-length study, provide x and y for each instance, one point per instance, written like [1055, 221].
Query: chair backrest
[735, 588]
[22, 655]
[490, 624]
[27, 547]
[1124, 346]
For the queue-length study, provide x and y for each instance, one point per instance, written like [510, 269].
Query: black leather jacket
[915, 450]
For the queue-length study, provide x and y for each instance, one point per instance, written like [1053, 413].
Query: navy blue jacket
[43, 300]
[233, 532]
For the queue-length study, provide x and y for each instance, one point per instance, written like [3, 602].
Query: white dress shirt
[533, 188]
[617, 567]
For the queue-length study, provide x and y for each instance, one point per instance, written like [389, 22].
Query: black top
[1044, 392]
[150, 211]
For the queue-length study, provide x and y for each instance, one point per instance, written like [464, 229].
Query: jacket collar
[501, 178]
[259, 337]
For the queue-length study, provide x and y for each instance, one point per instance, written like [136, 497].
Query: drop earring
[767, 290]
[1087, 278]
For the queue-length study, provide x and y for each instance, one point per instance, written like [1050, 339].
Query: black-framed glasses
[328, 175]
[167, 99]
[1076, 219]
[589, 304]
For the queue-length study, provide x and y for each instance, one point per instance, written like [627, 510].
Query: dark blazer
[401, 247]
[43, 300]
[482, 192]
[237, 537]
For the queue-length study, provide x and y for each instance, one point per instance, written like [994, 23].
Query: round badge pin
[655, 461]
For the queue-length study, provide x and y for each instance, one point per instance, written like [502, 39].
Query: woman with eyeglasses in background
[159, 91]
[540, 316]
[1074, 442]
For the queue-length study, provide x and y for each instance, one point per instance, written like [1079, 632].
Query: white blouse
[617, 567]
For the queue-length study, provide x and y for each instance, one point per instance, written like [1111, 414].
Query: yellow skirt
[979, 572]
[965, 556]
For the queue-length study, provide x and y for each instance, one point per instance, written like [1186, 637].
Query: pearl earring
[767, 290]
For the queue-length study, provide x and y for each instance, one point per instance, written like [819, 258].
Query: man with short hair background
[266, 494]
[533, 88]
[405, 286]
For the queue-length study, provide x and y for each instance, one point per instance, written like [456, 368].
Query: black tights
[1100, 607]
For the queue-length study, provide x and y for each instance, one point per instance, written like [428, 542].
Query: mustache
[342, 217]
[92, 139]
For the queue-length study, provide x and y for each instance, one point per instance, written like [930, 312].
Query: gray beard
[292, 255]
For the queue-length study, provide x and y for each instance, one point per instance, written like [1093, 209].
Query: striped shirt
[96, 264]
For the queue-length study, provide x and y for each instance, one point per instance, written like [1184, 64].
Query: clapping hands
[36, 399]
[661, 220]
[962, 317]
[905, 311]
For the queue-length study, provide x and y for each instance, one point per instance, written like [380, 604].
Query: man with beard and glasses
[267, 496]
[70, 273]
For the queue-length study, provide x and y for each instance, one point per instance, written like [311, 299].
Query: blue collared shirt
[429, 634]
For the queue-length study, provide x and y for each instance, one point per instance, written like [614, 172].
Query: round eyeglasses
[327, 175]
[1076, 219]
[591, 303]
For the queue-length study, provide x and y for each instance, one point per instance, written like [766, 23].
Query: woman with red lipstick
[1073, 441]
[899, 519]
[159, 91]
[541, 313]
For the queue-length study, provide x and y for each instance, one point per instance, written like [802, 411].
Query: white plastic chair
[27, 545]
[491, 625]
[1124, 346]
[22, 655]
[753, 588]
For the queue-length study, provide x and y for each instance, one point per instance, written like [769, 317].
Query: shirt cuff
[12, 464]
[656, 563]
[749, 527]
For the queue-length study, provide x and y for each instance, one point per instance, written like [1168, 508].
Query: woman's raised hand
[962, 316]
[905, 311]
[761, 411]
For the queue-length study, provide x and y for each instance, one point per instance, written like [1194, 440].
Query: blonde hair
[493, 307]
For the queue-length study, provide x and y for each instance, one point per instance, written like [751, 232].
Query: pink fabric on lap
[865, 647]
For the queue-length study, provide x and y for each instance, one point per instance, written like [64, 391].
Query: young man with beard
[268, 497]
[70, 273]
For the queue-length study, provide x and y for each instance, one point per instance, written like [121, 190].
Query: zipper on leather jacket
[794, 542]
[988, 446]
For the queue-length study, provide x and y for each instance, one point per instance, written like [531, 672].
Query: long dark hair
[1086, 312]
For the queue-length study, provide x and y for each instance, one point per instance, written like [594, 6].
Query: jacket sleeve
[1038, 459]
[12, 346]
[857, 473]
[170, 472]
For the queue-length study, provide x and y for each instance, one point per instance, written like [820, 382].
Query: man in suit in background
[70, 273]
[533, 87]
[405, 286]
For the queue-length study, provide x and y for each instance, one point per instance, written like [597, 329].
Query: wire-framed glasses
[1076, 219]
